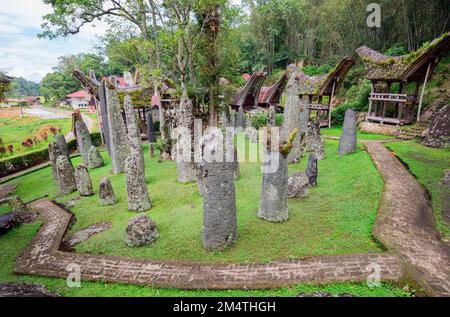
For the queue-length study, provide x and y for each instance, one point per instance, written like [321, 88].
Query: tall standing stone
[84, 140]
[106, 194]
[219, 200]
[240, 124]
[296, 115]
[66, 177]
[150, 127]
[311, 169]
[313, 141]
[117, 131]
[54, 151]
[347, 141]
[224, 120]
[83, 181]
[61, 141]
[134, 134]
[137, 193]
[271, 116]
[95, 159]
[233, 118]
[273, 204]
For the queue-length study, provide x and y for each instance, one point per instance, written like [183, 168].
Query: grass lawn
[428, 165]
[14, 130]
[335, 131]
[336, 218]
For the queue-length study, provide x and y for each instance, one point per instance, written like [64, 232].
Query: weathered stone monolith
[54, 151]
[219, 200]
[311, 169]
[224, 120]
[446, 178]
[95, 159]
[117, 131]
[347, 141]
[313, 141]
[106, 194]
[83, 181]
[240, 120]
[84, 140]
[134, 134]
[150, 127]
[271, 116]
[296, 115]
[137, 192]
[233, 116]
[273, 204]
[152, 150]
[141, 230]
[61, 141]
[66, 177]
[298, 185]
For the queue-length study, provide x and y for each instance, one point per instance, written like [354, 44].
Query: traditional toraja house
[383, 71]
[144, 100]
[316, 87]
[248, 96]
[271, 95]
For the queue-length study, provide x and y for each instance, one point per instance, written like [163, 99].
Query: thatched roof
[409, 66]
[248, 95]
[272, 94]
[4, 79]
[323, 84]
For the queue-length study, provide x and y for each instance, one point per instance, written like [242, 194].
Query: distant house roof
[79, 94]
[32, 99]
[5, 78]
[323, 84]
[246, 76]
[272, 94]
[409, 66]
[119, 79]
[248, 96]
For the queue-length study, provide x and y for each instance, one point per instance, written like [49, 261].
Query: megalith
[347, 141]
[150, 127]
[83, 181]
[134, 134]
[117, 131]
[219, 200]
[106, 194]
[84, 140]
[240, 121]
[298, 185]
[141, 230]
[313, 141]
[66, 177]
[311, 169]
[137, 192]
[95, 159]
[54, 151]
[61, 141]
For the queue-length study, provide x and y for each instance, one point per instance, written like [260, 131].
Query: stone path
[43, 257]
[405, 224]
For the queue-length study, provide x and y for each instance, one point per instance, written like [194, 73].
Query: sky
[22, 53]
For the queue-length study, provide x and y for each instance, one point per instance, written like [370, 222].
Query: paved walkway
[42, 257]
[405, 224]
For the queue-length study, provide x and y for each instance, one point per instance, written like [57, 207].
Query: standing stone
[446, 178]
[224, 120]
[83, 181]
[296, 115]
[150, 127]
[240, 124]
[141, 230]
[233, 118]
[54, 151]
[134, 134]
[152, 150]
[273, 205]
[95, 159]
[137, 193]
[347, 141]
[311, 170]
[439, 129]
[61, 141]
[271, 116]
[117, 131]
[66, 177]
[84, 140]
[298, 185]
[219, 200]
[236, 168]
[106, 194]
[313, 141]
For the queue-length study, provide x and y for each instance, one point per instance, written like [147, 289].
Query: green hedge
[23, 161]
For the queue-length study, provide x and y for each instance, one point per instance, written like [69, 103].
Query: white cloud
[22, 54]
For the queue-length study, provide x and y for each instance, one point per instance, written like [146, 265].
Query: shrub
[357, 99]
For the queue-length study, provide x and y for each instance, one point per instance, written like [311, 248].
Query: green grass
[12, 243]
[14, 130]
[336, 218]
[335, 131]
[428, 165]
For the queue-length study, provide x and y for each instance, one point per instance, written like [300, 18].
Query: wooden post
[330, 103]
[423, 90]
[372, 89]
[385, 103]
